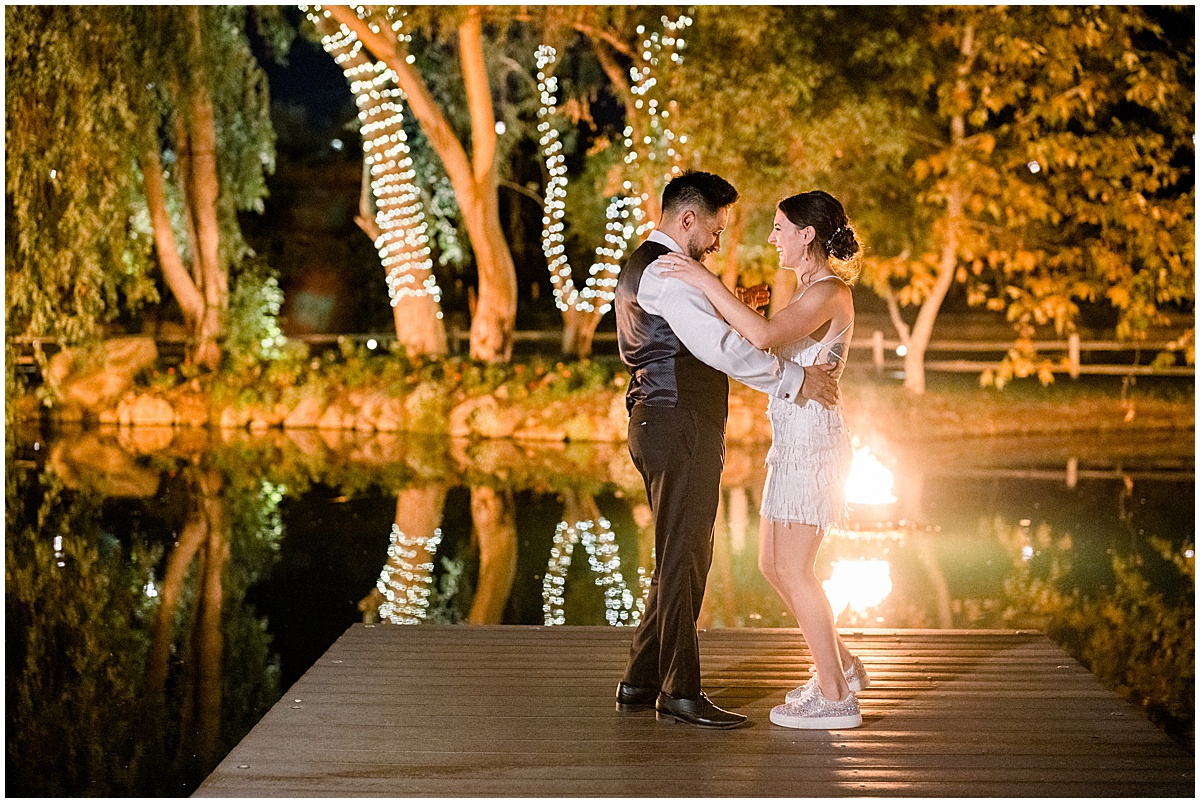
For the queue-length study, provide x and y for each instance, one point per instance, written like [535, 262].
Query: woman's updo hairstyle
[834, 240]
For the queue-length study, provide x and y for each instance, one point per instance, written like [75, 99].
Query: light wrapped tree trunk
[390, 208]
[474, 179]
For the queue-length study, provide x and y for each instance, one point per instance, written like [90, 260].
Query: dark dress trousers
[677, 411]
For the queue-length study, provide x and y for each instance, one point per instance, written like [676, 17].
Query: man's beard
[696, 252]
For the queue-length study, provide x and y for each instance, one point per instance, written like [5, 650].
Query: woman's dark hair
[834, 234]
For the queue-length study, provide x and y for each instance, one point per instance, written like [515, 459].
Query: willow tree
[206, 109]
[72, 254]
[1052, 168]
[131, 131]
[387, 35]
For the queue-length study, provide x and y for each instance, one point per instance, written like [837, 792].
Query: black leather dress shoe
[635, 698]
[701, 713]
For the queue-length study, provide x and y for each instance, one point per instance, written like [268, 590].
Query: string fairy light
[406, 579]
[600, 544]
[402, 242]
[625, 215]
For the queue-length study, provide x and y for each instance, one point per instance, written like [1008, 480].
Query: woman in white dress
[810, 453]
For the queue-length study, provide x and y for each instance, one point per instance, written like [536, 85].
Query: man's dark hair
[706, 192]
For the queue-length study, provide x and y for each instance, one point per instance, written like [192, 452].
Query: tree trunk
[419, 325]
[496, 305]
[492, 513]
[212, 636]
[408, 576]
[922, 330]
[202, 193]
[188, 544]
[417, 318]
[579, 330]
[175, 272]
[474, 180]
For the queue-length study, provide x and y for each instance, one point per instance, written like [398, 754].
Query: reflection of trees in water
[495, 533]
[402, 594]
[118, 685]
[583, 524]
[1134, 630]
[109, 686]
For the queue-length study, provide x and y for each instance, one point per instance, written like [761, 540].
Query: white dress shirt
[696, 323]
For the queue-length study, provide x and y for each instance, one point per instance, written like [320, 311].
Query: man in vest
[679, 351]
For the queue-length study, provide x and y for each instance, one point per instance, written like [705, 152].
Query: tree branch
[594, 34]
[175, 273]
[420, 100]
[523, 190]
[902, 328]
[479, 95]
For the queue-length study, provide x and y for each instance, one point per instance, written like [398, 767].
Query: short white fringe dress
[810, 455]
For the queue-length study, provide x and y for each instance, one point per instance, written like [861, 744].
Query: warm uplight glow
[858, 585]
[870, 483]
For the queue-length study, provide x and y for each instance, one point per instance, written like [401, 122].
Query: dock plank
[469, 711]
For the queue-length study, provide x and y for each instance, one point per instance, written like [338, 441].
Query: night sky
[310, 77]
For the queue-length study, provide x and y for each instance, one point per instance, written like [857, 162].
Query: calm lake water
[163, 589]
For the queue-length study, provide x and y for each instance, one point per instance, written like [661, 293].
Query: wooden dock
[474, 711]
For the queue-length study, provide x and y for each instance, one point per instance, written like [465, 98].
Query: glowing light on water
[870, 482]
[858, 585]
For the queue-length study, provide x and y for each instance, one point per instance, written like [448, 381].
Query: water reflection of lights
[620, 606]
[858, 585]
[869, 483]
[406, 578]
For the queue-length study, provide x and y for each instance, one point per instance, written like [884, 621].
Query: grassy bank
[956, 406]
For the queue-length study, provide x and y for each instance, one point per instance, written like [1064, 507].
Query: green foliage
[80, 617]
[71, 255]
[1053, 150]
[76, 618]
[86, 86]
[253, 332]
[1136, 636]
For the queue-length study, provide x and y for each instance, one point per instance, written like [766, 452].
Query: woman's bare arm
[789, 324]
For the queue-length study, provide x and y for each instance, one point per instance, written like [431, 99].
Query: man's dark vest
[664, 372]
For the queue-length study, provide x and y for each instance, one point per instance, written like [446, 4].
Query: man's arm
[695, 322]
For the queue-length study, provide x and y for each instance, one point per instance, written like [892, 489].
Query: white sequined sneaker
[817, 712]
[856, 677]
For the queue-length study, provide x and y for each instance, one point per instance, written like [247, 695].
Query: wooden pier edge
[513, 711]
